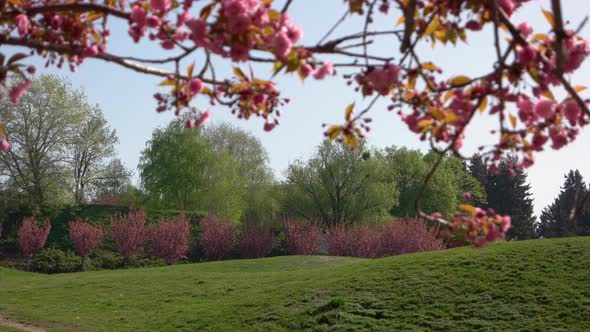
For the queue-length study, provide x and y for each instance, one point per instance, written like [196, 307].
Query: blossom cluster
[476, 226]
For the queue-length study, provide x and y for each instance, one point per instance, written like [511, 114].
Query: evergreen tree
[556, 219]
[507, 192]
[478, 170]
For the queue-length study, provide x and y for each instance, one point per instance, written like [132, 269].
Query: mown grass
[528, 285]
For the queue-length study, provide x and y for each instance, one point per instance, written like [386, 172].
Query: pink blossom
[526, 110]
[506, 223]
[205, 116]
[168, 44]
[234, 8]
[198, 31]
[326, 69]
[294, 33]
[577, 53]
[153, 22]
[161, 6]
[282, 45]
[239, 52]
[467, 196]
[545, 108]
[239, 25]
[90, 51]
[196, 85]
[138, 15]
[268, 126]
[306, 70]
[525, 55]
[525, 29]
[182, 18]
[22, 24]
[31, 70]
[19, 90]
[4, 145]
[558, 137]
[473, 25]
[258, 99]
[572, 111]
[538, 141]
[507, 6]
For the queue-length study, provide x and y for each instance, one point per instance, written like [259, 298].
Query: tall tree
[40, 128]
[179, 170]
[446, 189]
[340, 186]
[509, 193]
[245, 148]
[91, 146]
[114, 180]
[556, 219]
[478, 170]
[252, 160]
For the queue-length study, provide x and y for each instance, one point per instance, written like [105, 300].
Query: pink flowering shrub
[303, 238]
[170, 238]
[86, 237]
[403, 236]
[129, 232]
[400, 236]
[216, 238]
[356, 241]
[255, 242]
[32, 236]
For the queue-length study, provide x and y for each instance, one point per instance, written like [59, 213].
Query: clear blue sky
[126, 97]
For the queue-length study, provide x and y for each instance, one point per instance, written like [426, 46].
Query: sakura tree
[86, 237]
[517, 93]
[32, 236]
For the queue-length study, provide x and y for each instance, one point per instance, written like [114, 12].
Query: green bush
[53, 260]
[139, 261]
[104, 259]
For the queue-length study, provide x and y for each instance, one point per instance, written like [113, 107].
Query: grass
[528, 285]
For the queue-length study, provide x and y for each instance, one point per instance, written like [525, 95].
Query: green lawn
[529, 285]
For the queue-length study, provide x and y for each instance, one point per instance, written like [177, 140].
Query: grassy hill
[529, 285]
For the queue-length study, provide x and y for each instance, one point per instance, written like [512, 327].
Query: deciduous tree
[40, 129]
[340, 186]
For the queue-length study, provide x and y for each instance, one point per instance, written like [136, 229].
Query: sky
[126, 97]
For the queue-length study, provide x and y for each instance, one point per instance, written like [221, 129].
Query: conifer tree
[507, 192]
[556, 219]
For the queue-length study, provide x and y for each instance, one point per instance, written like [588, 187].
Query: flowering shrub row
[169, 239]
[397, 237]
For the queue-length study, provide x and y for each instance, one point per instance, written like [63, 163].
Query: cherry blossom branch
[65, 49]
[71, 7]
